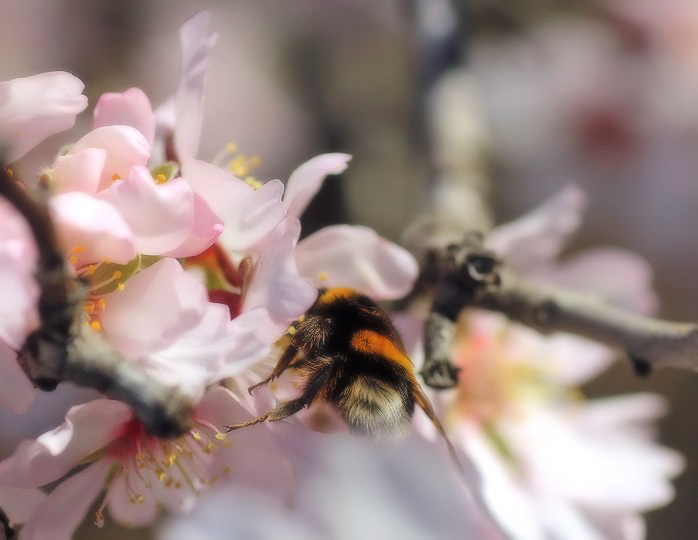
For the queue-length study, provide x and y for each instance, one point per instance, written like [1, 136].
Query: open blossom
[135, 473]
[551, 463]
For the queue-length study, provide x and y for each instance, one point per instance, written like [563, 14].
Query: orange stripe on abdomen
[370, 342]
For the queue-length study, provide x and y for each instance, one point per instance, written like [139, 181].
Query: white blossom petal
[87, 429]
[91, 228]
[306, 180]
[277, 287]
[125, 147]
[169, 300]
[81, 171]
[196, 46]
[20, 503]
[66, 506]
[538, 237]
[161, 216]
[32, 108]
[357, 257]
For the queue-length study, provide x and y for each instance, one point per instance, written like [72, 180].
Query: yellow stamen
[160, 178]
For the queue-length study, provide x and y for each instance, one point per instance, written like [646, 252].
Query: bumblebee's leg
[284, 362]
[315, 388]
[281, 411]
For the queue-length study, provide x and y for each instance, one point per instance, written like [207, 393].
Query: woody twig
[469, 276]
[62, 349]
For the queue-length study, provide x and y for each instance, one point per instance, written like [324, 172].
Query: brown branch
[63, 349]
[469, 276]
[650, 343]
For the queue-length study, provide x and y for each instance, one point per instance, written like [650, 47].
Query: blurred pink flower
[32, 108]
[552, 464]
[346, 487]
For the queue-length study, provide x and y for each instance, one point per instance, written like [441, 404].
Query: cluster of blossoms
[194, 274]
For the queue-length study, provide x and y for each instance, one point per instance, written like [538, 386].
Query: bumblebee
[350, 355]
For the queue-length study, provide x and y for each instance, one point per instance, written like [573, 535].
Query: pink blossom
[552, 464]
[156, 216]
[139, 472]
[32, 108]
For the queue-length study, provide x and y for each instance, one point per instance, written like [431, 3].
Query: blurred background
[511, 98]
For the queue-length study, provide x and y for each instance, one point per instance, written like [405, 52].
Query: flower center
[496, 373]
[143, 462]
[239, 164]
[103, 277]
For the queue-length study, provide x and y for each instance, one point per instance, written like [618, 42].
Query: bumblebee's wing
[421, 399]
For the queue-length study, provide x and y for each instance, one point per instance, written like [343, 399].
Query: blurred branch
[473, 277]
[63, 349]
[7, 532]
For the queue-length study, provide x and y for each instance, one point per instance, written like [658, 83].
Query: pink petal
[16, 390]
[249, 214]
[307, 180]
[93, 225]
[32, 108]
[161, 216]
[19, 503]
[157, 305]
[254, 457]
[605, 460]
[16, 239]
[190, 361]
[253, 216]
[348, 256]
[87, 429]
[121, 506]
[503, 491]
[242, 347]
[67, 505]
[125, 147]
[277, 286]
[129, 108]
[616, 275]
[216, 186]
[538, 237]
[196, 46]
[206, 229]
[18, 312]
[80, 172]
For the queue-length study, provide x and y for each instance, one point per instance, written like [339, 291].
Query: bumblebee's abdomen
[375, 407]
